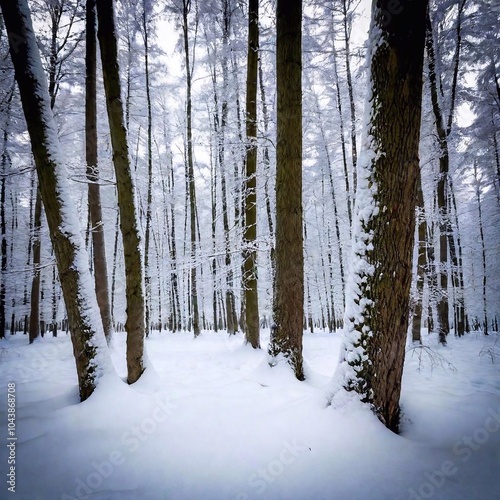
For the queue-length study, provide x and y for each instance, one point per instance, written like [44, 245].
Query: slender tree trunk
[173, 256]
[483, 247]
[149, 202]
[349, 194]
[421, 264]
[135, 324]
[250, 191]
[34, 330]
[213, 196]
[3, 231]
[329, 168]
[94, 194]
[267, 175]
[288, 307]
[445, 186]
[87, 336]
[443, 301]
[352, 105]
[5, 163]
[186, 7]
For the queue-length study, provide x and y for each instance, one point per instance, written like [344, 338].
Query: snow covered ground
[210, 420]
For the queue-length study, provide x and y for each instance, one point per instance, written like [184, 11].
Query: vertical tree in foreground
[94, 194]
[250, 193]
[378, 300]
[288, 305]
[135, 324]
[87, 335]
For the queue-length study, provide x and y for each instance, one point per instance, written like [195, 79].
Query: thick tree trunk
[94, 194]
[378, 306]
[134, 325]
[250, 192]
[88, 340]
[288, 307]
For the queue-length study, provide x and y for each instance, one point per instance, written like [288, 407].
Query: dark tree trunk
[250, 191]
[378, 310]
[288, 307]
[94, 194]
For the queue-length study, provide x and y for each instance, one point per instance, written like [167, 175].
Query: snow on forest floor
[212, 421]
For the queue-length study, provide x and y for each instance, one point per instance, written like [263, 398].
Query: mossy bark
[384, 237]
[67, 242]
[135, 323]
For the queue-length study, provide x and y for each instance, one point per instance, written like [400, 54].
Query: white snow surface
[213, 421]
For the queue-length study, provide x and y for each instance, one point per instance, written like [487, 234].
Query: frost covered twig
[435, 358]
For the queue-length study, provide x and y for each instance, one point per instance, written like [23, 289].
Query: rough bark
[378, 306]
[134, 325]
[94, 193]
[250, 191]
[89, 346]
[288, 307]
[34, 329]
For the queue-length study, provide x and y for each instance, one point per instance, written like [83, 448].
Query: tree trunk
[267, 175]
[5, 164]
[88, 340]
[134, 324]
[421, 264]
[378, 306]
[288, 307]
[352, 106]
[186, 7]
[94, 193]
[443, 301]
[250, 191]
[149, 202]
[349, 194]
[483, 247]
[444, 187]
[34, 330]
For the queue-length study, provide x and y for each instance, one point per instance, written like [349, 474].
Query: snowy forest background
[467, 80]
[222, 416]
